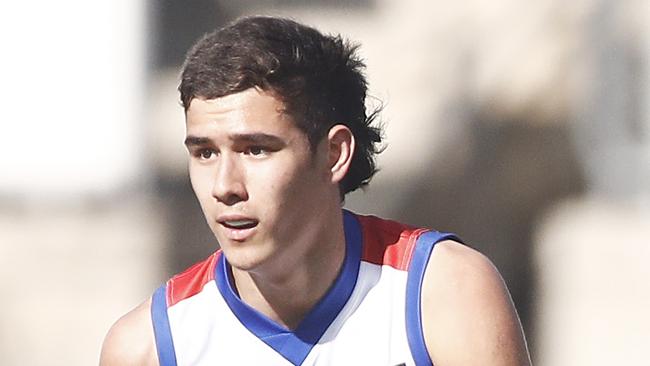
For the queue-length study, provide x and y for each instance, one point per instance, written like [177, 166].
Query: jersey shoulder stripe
[180, 287]
[191, 281]
[416, 270]
[161, 329]
[388, 242]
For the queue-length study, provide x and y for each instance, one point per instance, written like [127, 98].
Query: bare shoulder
[130, 341]
[467, 313]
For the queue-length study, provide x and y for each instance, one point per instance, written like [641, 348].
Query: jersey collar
[295, 345]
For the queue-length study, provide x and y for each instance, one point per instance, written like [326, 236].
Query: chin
[243, 259]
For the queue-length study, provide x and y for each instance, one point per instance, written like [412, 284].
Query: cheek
[201, 184]
[302, 188]
[271, 188]
[276, 186]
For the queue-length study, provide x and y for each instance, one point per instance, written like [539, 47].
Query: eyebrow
[257, 138]
[251, 138]
[194, 140]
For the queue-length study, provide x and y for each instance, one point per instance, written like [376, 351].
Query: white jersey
[369, 316]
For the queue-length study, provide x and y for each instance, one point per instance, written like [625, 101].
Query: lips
[238, 228]
[239, 224]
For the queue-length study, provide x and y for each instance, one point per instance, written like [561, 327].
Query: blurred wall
[79, 229]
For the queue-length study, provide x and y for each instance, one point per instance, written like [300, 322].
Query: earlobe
[341, 149]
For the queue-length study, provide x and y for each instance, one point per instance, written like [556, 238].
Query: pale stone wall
[69, 272]
[593, 260]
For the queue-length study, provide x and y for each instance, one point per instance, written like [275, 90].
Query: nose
[229, 184]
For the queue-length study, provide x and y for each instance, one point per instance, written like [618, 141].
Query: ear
[340, 150]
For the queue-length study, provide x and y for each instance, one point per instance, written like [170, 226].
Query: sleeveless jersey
[369, 316]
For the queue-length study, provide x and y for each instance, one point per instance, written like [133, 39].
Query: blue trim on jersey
[296, 345]
[420, 258]
[161, 329]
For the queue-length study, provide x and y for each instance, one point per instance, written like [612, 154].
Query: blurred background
[522, 126]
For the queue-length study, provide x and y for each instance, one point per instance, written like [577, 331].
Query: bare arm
[130, 341]
[467, 313]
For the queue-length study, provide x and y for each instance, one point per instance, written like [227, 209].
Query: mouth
[241, 224]
[238, 228]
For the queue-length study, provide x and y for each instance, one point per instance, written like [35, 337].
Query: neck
[289, 290]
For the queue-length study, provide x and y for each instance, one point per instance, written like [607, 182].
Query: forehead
[251, 109]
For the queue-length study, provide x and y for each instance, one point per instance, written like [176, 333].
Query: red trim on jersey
[191, 281]
[388, 242]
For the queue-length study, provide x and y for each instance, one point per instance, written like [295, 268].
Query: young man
[278, 133]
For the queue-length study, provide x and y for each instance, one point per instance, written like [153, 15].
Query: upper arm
[130, 341]
[467, 313]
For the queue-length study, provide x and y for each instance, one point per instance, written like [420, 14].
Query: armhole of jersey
[161, 329]
[420, 258]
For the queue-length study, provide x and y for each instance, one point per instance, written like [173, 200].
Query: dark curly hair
[319, 78]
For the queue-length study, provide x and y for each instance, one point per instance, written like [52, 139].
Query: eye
[257, 151]
[205, 154]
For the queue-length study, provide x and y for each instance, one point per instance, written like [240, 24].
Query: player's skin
[274, 205]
